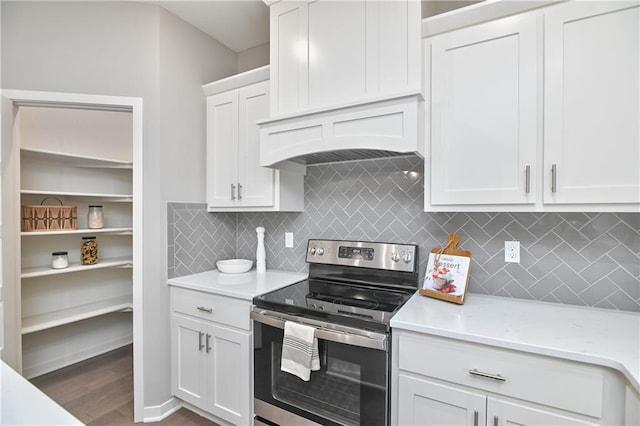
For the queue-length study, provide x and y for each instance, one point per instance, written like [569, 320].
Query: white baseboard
[32, 371]
[160, 412]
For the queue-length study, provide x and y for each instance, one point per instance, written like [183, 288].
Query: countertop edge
[621, 365]
[524, 347]
[255, 283]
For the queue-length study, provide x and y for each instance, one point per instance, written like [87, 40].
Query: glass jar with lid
[95, 217]
[59, 259]
[89, 251]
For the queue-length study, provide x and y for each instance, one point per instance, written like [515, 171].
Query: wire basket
[43, 217]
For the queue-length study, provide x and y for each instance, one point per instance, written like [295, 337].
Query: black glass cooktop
[349, 304]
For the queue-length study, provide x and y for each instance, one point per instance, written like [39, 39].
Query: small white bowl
[234, 266]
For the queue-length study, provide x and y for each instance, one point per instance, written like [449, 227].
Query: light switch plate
[512, 251]
[288, 239]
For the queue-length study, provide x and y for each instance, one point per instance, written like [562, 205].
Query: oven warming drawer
[324, 330]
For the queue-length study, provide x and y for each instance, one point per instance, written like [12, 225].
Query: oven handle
[340, 334]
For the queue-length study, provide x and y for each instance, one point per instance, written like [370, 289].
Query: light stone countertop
[240, 286]
[21, 403]
[596, 336]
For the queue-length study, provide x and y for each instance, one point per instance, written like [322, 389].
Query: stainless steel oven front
[351, 388]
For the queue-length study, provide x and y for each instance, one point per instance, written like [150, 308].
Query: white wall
[436, 7]
[129, 49]
[253, 58]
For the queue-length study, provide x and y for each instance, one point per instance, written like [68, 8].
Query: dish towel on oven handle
[299, 350]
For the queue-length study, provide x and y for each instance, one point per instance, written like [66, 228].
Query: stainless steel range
[353, 290]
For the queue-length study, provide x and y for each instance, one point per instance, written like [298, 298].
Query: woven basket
[49, 218]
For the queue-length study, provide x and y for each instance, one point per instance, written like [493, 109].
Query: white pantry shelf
[108, 197]
[76, 313]
[43, 271]
[115, 231]
[75, 160]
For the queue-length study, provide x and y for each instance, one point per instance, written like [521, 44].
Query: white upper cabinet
[485, 105]
[335, 53]
[592, 138]
[235, 179]
[534, 112]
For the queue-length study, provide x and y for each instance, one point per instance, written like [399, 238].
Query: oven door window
[349, 389]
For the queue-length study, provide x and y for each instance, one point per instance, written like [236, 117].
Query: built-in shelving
[42, 271]
[110, 197]
[81, 152]
[127, 230]
[75, 160]
[77, 313]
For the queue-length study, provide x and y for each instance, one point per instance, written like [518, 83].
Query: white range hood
[378, 128]
[345, 82]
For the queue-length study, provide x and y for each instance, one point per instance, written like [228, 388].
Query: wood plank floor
[99, 391]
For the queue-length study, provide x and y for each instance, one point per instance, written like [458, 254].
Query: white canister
[59, 259]
[95, 217]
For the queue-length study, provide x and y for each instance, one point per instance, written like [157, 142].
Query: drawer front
[212, 307]
[550, 381]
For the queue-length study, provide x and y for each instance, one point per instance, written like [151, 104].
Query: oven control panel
[398, 257]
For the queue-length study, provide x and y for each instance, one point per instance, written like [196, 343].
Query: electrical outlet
[512, 251]
[288, 239]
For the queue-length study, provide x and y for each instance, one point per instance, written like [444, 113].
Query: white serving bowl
[234, 266]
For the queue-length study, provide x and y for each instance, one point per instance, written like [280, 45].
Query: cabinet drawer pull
[203, 309]
[200, 345]
[553, 178]
[208, 343]
[527, 180]
[233, 192]
[475, 418]
[475, 372]
[495, 420]
[239, 191]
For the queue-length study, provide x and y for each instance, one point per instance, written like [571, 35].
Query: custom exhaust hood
[379, 128]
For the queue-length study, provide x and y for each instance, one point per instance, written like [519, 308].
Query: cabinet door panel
[230, 370]
[188, 361]
[484, 113]
[222, 148]
[289, 56]
[391, 45]
[509, 413]
[591, 103]
[426, 403]
[257, 182]
[336, 51]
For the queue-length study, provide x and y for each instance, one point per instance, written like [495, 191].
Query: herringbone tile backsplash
[590, 259]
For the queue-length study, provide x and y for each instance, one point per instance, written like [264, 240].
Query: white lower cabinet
[441, 381]
[424, 402]
[211, 354]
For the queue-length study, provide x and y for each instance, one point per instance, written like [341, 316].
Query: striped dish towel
[299, 350]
